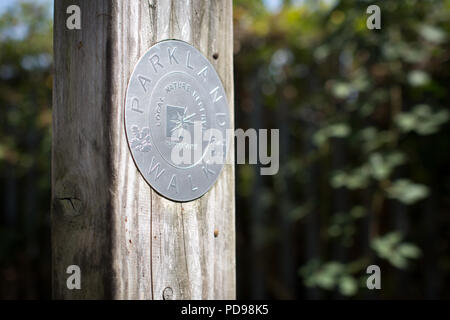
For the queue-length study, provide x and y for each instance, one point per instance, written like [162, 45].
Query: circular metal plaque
[176, 120]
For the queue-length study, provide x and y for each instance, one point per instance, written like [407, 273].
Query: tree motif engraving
[141, 139]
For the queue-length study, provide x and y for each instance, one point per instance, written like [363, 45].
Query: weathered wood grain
[129, 242]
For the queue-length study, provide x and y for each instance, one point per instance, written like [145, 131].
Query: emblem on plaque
[176, 108]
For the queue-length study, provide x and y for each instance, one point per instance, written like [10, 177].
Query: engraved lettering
[188, 60]
[223, 116]
[215, 92]
[156, 169]
[202, 73]
[193, 188]
[175, 93]
[135, 105]
[172, 55]
[173, 183]
[143, 80]
[154, 59]
[159, 105]
[207, 171]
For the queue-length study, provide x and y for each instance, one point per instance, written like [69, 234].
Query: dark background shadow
[364, 153]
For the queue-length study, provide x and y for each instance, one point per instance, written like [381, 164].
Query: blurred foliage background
[25, 145]
[364, 148]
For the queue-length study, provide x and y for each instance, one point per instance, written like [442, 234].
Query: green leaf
[339, 179]
[408, 250]
[392, 238]
[320, 137]
[358, 212]
[334, 231]
[348, 286]
[407, 192]
[339, 130]
[380, 170]
[418, 78]
[325, 280]
[432, 33]
[398, 261]
[391, 248]
[422, 119]
[358, 178]
[341, 90]
[406, 121]
[321, 52]
[396, 158]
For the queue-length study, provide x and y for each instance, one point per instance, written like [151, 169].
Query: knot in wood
[168, 293]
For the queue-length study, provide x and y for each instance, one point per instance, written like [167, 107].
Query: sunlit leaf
[418, 78]
[348, 286]
[432, 33]
[408, 250]
[407, 192]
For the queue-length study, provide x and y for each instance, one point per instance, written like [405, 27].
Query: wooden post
[129, 242]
